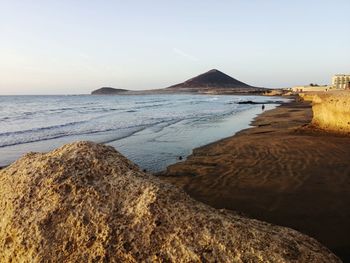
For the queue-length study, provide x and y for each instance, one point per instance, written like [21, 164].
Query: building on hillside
[341, 81]
[311, 88]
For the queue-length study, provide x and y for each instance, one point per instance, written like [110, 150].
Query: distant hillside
[107, 91]
[213, 79]
[211, 82]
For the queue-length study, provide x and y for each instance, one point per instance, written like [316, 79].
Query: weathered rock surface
[87, 203]
[331, 111]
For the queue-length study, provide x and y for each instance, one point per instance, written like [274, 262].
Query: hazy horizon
[65, 47]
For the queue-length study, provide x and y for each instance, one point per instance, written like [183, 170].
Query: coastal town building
[311, 88]
[341, 81]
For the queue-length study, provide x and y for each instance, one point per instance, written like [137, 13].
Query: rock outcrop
[85, 202]
[331, 110]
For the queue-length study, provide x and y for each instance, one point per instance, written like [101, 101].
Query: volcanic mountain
[213, 80]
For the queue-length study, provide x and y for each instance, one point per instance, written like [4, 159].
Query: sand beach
[175, 131]
[284, 170]
[288, 172]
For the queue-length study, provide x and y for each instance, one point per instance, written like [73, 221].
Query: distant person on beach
[263, 107]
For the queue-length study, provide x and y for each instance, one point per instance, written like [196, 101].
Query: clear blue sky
[65, 47]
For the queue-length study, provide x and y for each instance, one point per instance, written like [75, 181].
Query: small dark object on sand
[180, 158]
[263, 107]
[145, 170]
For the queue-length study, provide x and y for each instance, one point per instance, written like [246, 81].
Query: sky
[74, 47]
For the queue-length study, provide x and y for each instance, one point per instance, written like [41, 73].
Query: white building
[341, 81]
[311, 88]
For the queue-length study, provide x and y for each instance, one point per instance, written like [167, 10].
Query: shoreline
[127, 140]
[282, 170]
[230, 174]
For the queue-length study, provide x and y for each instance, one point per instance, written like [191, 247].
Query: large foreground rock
[87, 203]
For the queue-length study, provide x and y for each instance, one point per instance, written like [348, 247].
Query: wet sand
[282, 171]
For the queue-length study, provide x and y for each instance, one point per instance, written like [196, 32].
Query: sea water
[154, 131]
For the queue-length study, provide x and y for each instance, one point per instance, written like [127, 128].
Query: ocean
[153, 131]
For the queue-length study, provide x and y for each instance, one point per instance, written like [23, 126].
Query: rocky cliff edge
[331, 110]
